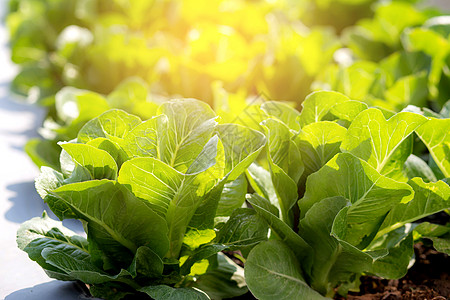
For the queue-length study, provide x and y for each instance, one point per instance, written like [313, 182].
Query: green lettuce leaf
[118, 221]
[190, 125]
[225, 281]
[318, 143]
[318, 104]
[283, 112]
[144, 139]
[334, 261]
[232, 197]
[79, 268]
[172, 194]
[383, 144]
[348, 110]
[241, 146]
[282, 231]
[370, 194]
[429, 198]
[285, 165]
[99, 163]
[273, 271]
[48, 180]
[113, 149]
[243, 230]
[438, 234]
[435, 135]
[43, 152]
[40, 233]
[113, 124]
[417, 167]
[395, 263]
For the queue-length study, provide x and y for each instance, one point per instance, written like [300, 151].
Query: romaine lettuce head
[148, 194]
[340, 192]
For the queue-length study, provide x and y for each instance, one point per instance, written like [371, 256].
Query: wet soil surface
[428, 279]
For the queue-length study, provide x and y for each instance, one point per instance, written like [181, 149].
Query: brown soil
[428, 279]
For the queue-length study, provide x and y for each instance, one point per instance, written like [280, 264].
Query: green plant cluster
[393, 62]
[337, 184]
[177, 47]
[141, 53]
[309, 199]
[74, 107]
[341, 193]
[148, 194]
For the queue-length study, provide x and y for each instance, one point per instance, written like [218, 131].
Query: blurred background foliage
[80, 58]
[180, 48]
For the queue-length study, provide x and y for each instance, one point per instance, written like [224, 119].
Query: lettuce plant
[148, 194]
[392, 62]
[71, 108]
[40, 69]
[377, 37]
[178, 48]
[340, 192]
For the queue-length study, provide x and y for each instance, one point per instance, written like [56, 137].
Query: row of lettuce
[181, 48]
[312, 199]
[336, 189]
[141, 53]
[178, 47]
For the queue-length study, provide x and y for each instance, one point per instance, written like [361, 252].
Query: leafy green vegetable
[318, 143]
[429, 198]
[436, 137]
[355, 204]
[317, 105]
[39, 233]
[185, 54]
[140, 189]
[73, 72]
[108, 217]
[285, 168]
[393, 63]
[417, 167]
[438, 234]
[98, 162]
[379, 36]
[73, 109]
[43, 152]
[339, 183]
[273, 271]
[224, 281]
[371, 197]
[166, 292]
[379, 142]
